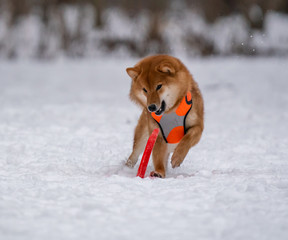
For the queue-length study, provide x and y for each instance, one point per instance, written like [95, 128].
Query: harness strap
[172, 125]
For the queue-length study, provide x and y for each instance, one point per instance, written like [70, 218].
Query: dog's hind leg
[140, 138]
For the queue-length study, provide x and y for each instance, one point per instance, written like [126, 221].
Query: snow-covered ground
[66, 129]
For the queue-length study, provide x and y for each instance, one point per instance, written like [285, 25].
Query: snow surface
[66, 129]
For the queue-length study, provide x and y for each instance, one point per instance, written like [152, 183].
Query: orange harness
[172, 125]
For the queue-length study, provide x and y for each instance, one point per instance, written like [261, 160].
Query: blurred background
[48, 29]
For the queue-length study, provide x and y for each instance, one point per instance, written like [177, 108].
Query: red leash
[147, 152]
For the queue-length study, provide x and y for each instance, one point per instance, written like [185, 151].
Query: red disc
[147, 152]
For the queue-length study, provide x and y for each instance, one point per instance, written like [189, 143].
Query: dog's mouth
[161, 110]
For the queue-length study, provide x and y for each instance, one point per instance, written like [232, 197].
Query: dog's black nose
[152, 107]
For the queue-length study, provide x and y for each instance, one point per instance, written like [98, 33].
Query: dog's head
[158, 83]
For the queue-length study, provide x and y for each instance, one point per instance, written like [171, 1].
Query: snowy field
[66, 129]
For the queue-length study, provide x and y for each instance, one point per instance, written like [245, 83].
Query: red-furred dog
[172, 101]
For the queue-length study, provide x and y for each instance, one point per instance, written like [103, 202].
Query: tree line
[254, 12]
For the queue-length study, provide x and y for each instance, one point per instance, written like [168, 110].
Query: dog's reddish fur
[176, 80]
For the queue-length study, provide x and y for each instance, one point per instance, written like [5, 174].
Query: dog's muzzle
[160, 111]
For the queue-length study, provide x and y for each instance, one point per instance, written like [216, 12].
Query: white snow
[66, 129]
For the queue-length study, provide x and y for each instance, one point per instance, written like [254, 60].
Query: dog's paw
[155, 174]
[129, 163]
[176, 160]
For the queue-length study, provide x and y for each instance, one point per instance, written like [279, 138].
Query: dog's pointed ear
[133, 72]
[165, 68]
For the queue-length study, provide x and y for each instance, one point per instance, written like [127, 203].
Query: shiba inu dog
[171, 101]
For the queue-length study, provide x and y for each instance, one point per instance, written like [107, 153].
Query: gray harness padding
[172, 120]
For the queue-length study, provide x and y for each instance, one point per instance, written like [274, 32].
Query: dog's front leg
[140, 139]
[191, 138]
[160, 157]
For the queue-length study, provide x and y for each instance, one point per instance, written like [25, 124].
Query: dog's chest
[171, 147]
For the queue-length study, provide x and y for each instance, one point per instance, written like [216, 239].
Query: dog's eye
[144, 89]
[159, 86]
